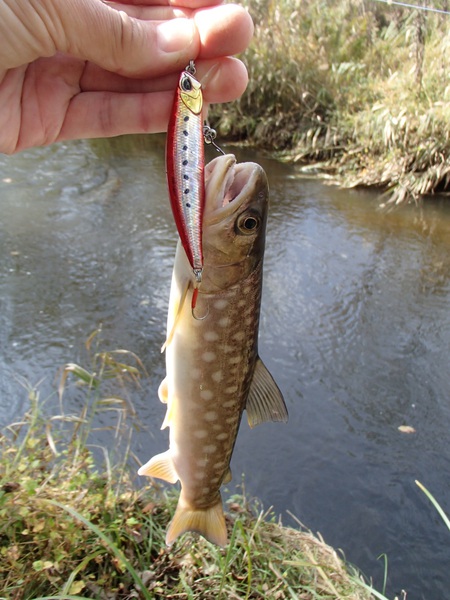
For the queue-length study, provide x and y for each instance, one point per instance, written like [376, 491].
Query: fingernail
[176, 35]
[210, 76]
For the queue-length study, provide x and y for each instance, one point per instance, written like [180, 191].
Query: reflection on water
[354, 328]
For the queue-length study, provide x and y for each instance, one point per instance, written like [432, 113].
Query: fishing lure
[185, 162]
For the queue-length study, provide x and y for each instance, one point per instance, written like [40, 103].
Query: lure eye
[248, 224]
[186, 84]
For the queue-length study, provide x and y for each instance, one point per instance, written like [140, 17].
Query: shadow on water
[354, 328]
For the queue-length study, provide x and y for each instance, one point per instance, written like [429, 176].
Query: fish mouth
[227, 185]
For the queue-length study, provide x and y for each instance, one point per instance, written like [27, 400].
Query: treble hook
[194, 304]
[210, 135]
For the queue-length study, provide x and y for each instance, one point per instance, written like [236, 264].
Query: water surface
[355, 329]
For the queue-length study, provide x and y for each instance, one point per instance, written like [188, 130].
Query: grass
[357, 88]
[74, 523]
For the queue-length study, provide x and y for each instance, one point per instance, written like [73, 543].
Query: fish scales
[219, 356]
[213, 368]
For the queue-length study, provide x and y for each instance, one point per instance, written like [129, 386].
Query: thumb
[95, 31]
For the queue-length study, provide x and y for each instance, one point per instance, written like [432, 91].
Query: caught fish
[185, 162]
[213, 368]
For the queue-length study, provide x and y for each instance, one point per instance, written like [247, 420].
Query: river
[355, 329]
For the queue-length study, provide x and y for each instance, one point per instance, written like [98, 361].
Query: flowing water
[355, 328]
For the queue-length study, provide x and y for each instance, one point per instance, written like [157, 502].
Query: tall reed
[358, 86]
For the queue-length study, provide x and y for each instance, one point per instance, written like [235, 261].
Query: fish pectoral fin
[163, 392]
[160, 466]
[265, 401]
[176, 314]
[208, 522]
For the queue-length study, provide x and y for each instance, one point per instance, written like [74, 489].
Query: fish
[185, 163]
[213, 369]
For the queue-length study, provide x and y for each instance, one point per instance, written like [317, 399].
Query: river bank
[354, 89]
[75, 524]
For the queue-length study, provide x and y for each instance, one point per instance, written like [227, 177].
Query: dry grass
[74, 524]
[357, 87]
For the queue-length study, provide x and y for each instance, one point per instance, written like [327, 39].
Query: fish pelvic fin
[160, 466]
[208, 522]
[170, 411]
[265, 401]
[163, 391]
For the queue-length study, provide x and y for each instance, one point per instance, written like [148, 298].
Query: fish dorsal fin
[265, 401]
[160, 466]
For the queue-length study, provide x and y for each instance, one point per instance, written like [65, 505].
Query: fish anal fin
[160, 466]
[265, 401]
[168, 416]
[228, 476]
[163, 392]
[208, 522]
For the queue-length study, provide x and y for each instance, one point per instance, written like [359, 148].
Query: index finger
[192, 4]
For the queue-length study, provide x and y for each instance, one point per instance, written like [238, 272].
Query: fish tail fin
[208, 522]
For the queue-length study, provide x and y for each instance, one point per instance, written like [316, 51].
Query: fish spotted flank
[213, 368]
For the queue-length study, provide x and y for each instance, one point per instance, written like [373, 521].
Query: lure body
[185, 161]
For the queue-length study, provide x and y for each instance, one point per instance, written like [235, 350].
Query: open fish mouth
[228, 184]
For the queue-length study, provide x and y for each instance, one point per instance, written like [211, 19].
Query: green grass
[76, 523]
[356, 87]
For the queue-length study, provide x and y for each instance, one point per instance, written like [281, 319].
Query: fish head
[234, 222]
[190, 91]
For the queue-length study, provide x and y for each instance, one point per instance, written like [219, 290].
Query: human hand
[86, 68]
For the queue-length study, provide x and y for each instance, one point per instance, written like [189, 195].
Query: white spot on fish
[231, 420]
[209, 356]
[200, 434]
[211, 336]
[231, 389]
[210, 448]
[206, 394]
[229, 403]
[199, 474]
[202, 462]
[224, 321]
[227, 349]
[217, 376]
[220, 304]
[206, 490]
[211, 415]
[239, 336]
[234, 360]
[221, 436]
[219, 465]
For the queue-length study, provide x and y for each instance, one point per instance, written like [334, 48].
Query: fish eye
[186, 84]
[248, 224]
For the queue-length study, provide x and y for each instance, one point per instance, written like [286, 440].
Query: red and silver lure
[185, 162]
